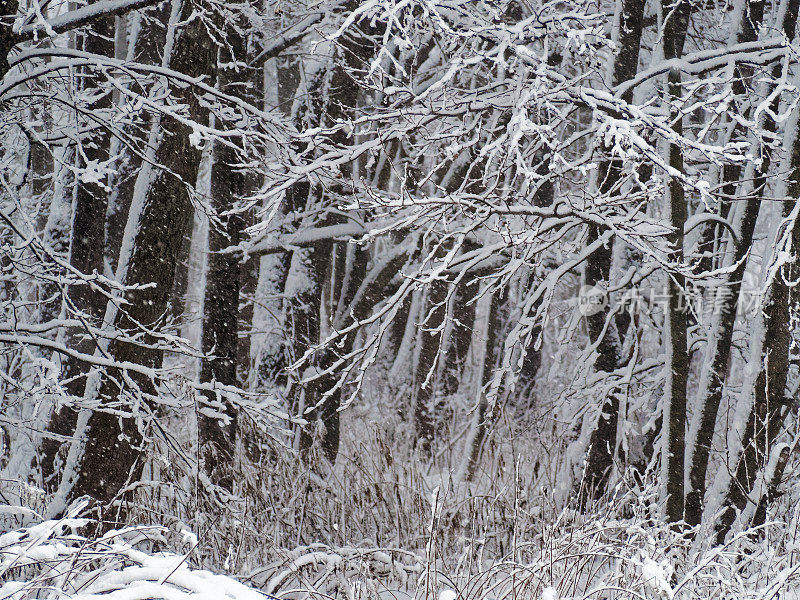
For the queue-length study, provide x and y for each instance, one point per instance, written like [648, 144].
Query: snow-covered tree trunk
[230, 184]
[338, 103]
[148, 32]
[719, 346]
[273, 358]
[111, 456]
[773, 476]
[42, 172]
[768, 408]
[424, 382]
[601, 325]
[484, 415]
[86, 252]
[675, 25]
[532, 361]
[769, 401]
[461, 314]
[303, 294]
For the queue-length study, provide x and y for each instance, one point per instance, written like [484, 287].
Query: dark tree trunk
[221, 314]
[397, 330]
[346, 278]
[302, 307]
[720, 344]
[771, 492]
[220, 342]
[359, 295]
[177, 297]
[675, 27]
[272, 365]
[528, 374]
[483, 418]
[460, 335]
[765, 418]
[303, 320]
[41, 170]
[707, 247]
[601, 325]
[112, 454]
[339, 103]
[147, 48]
[429, 340]
[8, 9]
[603, 332]
[85, 255]
[532, 361]
[248, 282]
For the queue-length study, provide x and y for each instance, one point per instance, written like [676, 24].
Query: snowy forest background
[399, 298]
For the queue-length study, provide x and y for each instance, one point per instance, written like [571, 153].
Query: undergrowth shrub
[383, 524]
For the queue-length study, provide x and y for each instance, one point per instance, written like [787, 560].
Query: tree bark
[220, 319]
[722, 332]
[532, 361]
[220, 342]
[354, 49]
[602, 327]
[86, 253]
[772, 484]
[459, 336]
[483, 417]
[766, 415]
[765, 418]
[112, 454]
[303, 320]
[273, 361]
[8, 9]
[41, 175]
[429, 340]
[676, 22]
[248, 284]
[145, 47]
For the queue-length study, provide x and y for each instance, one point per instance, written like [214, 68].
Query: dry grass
[384, 524]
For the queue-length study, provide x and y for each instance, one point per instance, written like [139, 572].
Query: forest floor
[384, 525]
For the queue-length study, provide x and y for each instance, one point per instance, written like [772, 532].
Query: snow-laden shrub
[51, 559]
[619, 560]
[57, 559]
[625, 559]
[347, 572]
[383, 526]
[574, 558]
